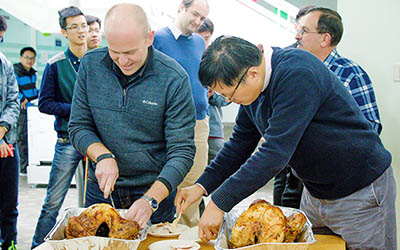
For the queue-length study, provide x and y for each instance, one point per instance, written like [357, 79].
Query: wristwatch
[153, 202]
[104, 156]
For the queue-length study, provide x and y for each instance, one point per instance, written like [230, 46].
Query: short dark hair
[226, 58]
[188, 3]
[329, 22]
[3, 23]
[302, 11]
[21, 53]
[92, 19]
[68, 12]
[207, 25]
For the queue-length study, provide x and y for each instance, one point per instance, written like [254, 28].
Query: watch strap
[104, 156]
[153, 202]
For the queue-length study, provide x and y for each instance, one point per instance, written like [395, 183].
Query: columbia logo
[150, 103]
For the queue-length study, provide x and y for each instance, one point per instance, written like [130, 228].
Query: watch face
[154, 204]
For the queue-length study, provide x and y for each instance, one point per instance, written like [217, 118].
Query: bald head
[128, 36]
[126, 17]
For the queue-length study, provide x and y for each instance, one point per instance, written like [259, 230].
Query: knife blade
[112, 201]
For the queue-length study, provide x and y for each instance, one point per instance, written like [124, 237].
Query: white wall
[371, 38]
[231, 17]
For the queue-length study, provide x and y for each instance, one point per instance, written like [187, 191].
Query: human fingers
[9, 152]
[141, 212]
[178, 200]
[108, 185]
[202, 234]
[3, 150]
[100, 179]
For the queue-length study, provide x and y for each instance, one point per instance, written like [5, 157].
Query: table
[324, 242]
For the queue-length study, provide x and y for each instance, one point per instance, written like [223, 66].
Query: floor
[31, 199]
[30, 202]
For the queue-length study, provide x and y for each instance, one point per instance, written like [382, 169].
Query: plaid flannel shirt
[356, 80]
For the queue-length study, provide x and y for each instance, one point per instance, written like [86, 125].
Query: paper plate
[166, 230]
[191, 234]
[170, 244]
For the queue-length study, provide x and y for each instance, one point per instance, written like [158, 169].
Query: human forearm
[50, 101]
[10, 112]
[3, 131]
[235, 152]
[95, 150]
[49, 106]
[179, 135]
[158, 191]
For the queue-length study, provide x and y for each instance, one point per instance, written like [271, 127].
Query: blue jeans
[124, 197]
[66, 159]
[8, 200]
[214, 146]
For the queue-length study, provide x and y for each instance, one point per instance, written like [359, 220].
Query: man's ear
[150, 38]
[181, 8]
[253, 72]
[64, 33]
[326, 40]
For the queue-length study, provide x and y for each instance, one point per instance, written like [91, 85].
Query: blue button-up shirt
[356, 80]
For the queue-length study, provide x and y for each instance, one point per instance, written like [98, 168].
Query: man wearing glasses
[319, 32]
[26, 78]
[311, 123]
[55, 99]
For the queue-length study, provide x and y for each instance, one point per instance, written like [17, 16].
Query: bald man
[134, 117]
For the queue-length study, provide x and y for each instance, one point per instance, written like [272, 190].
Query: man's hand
[210, 222]
[107, 173]
[140, 211]
[3, 131]
[23, 104]
[189, 195]
[5, 150]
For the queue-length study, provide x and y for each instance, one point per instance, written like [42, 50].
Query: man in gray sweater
[133, 115]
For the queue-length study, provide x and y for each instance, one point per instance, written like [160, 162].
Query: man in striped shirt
[26, 78]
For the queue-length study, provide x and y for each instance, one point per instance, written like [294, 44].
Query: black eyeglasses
[302, 32]
[237, 85]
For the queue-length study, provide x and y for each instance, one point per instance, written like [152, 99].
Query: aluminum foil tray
[224, 234]
[56, 237]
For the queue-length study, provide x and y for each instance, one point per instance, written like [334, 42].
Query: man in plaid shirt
[319, 32]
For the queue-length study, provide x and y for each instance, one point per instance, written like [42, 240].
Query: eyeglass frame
[302, 32]
[29, 58]
[76, 28]
[94, 31]
[237, 85]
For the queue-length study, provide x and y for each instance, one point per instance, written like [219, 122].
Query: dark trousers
[287, 189]
[8, 200]
[124, 197]
[22, 140]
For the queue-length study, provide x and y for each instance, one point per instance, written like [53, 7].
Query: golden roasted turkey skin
[260, 223]
[104, 216]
